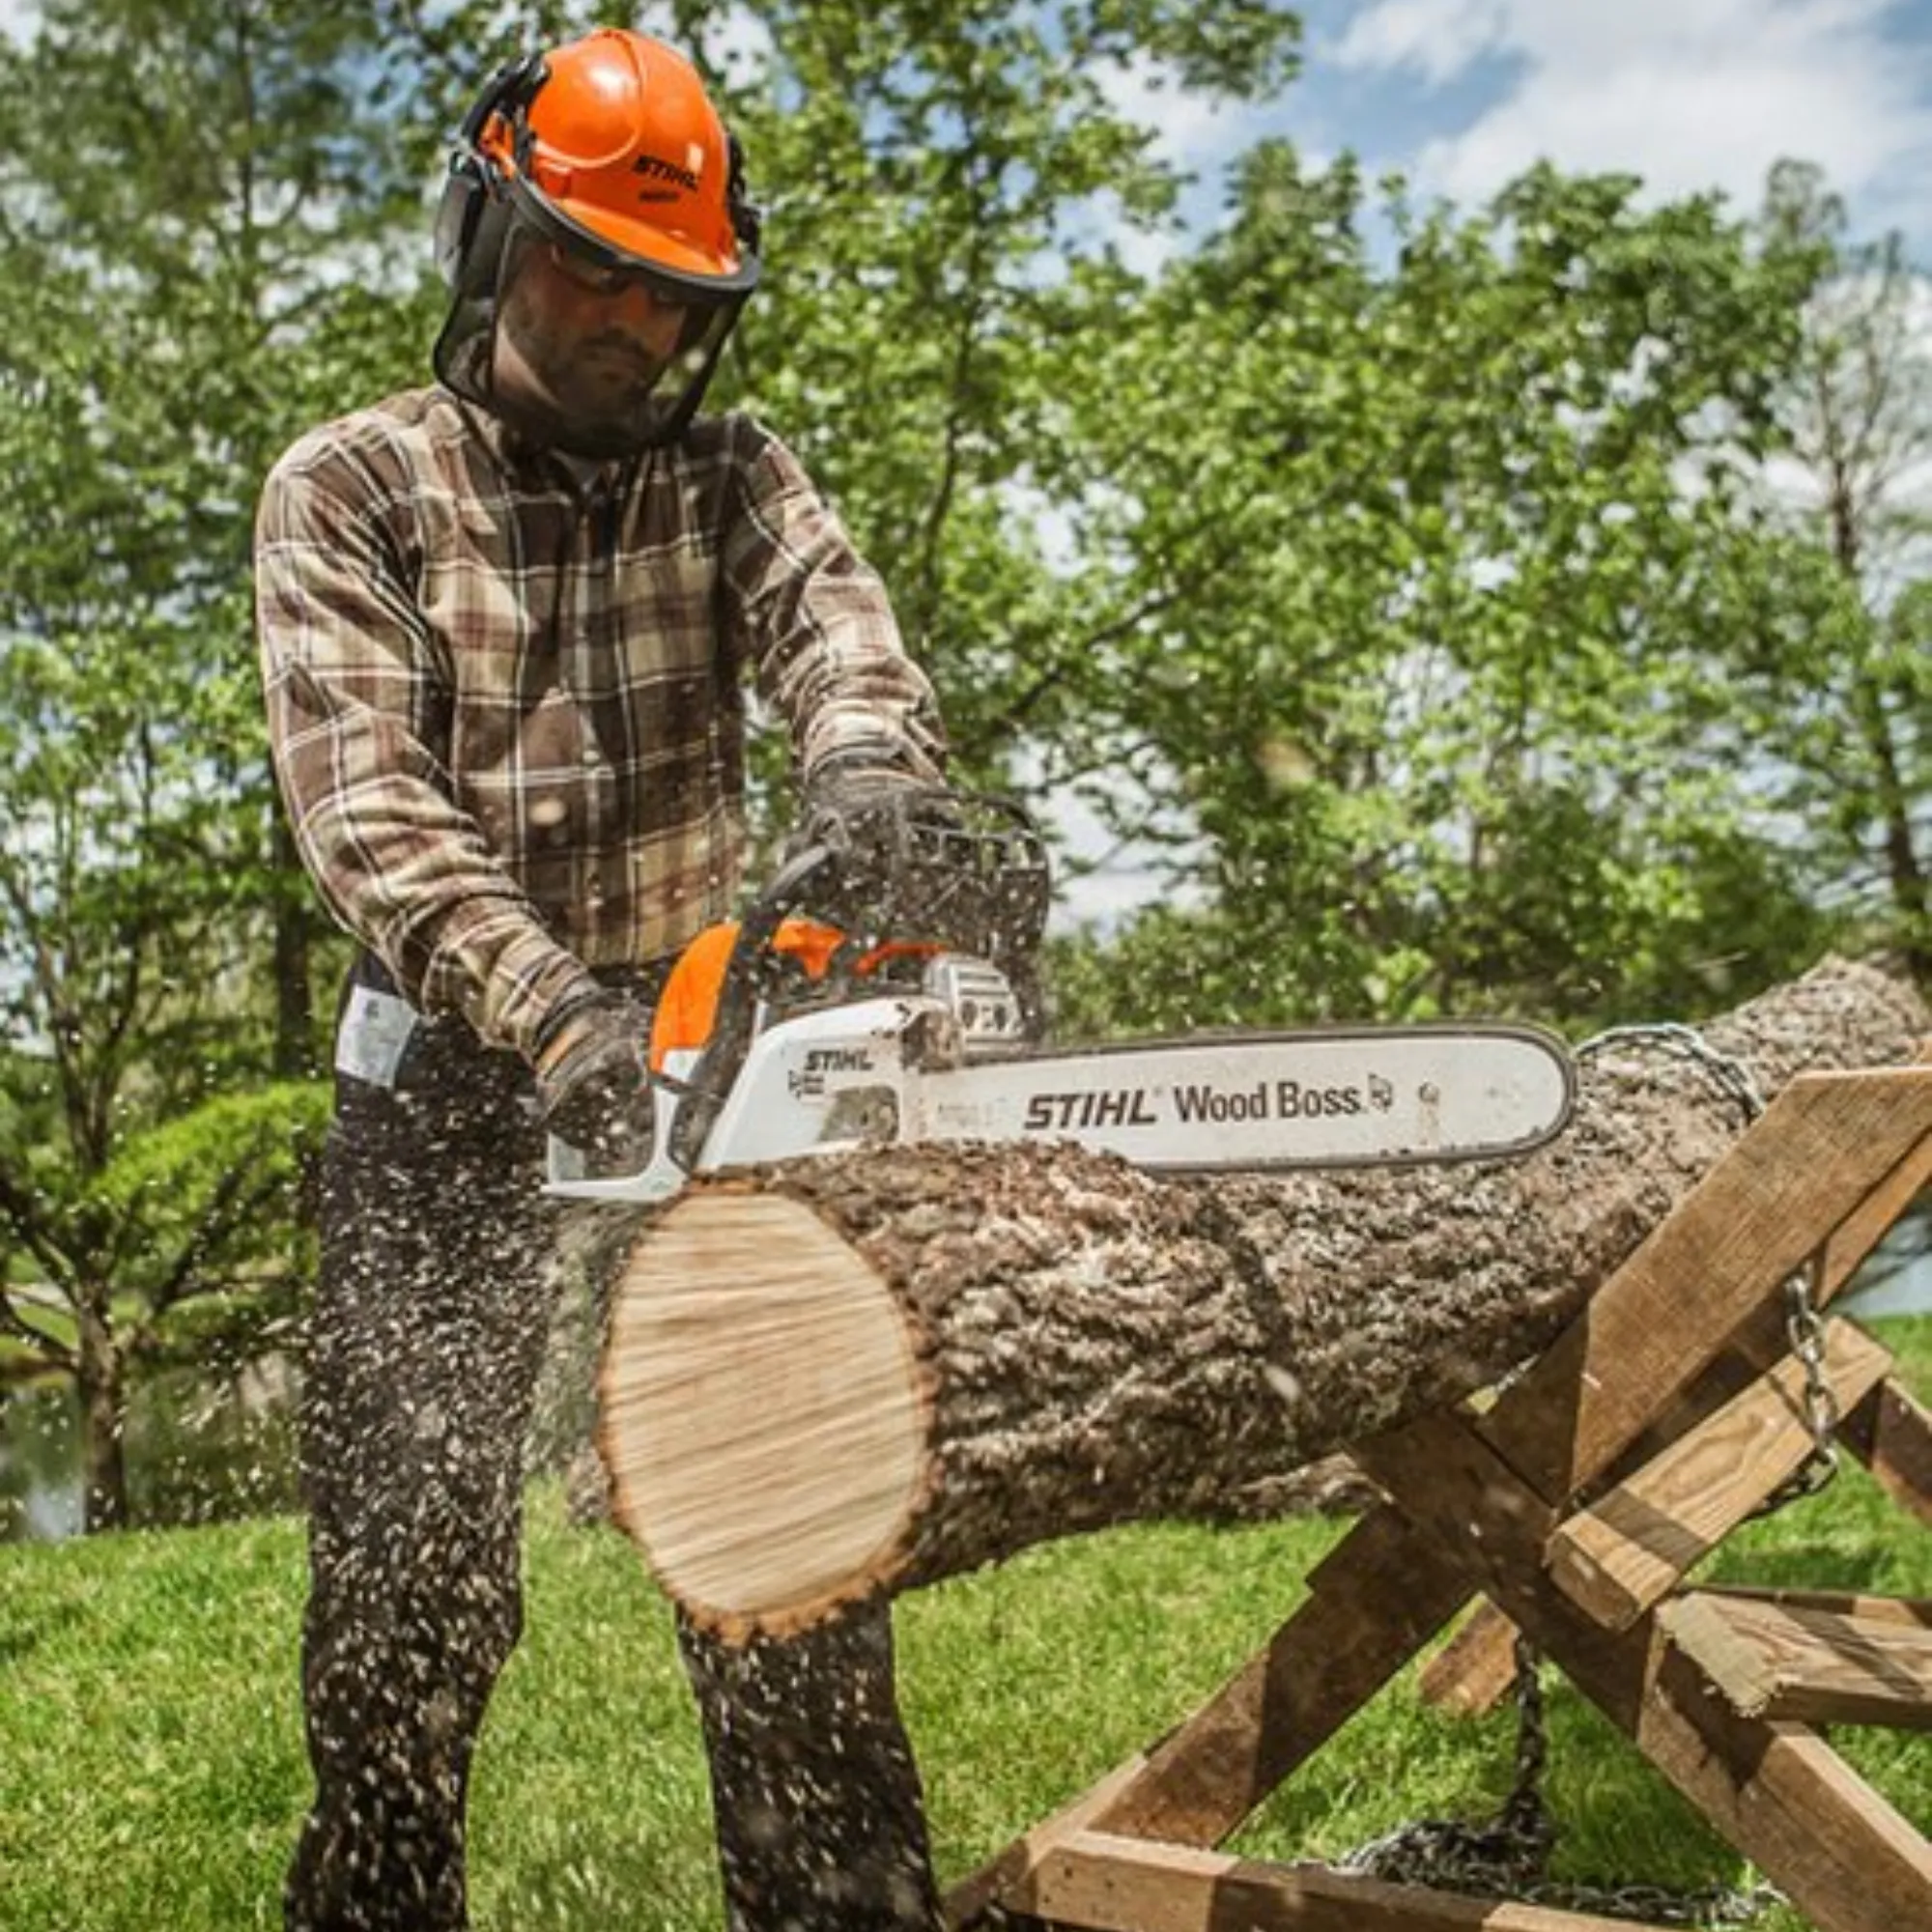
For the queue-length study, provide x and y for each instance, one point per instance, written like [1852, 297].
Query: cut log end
[795, 1463]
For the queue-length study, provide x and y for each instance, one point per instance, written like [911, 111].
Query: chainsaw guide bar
[1320, 1099]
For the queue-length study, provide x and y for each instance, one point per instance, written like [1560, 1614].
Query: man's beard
[590, 395]
[628, 374]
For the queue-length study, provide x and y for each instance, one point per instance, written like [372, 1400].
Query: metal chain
[1511, 1853]
[1683, 1042]
[1805, 1332]
[1713, 1906]
[1510, 1856]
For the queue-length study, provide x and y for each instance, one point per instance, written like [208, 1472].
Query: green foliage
[214, 1190]
[195, 249]
[1426, 584]
[1838, 689]
[1697, 928]
[935, 178]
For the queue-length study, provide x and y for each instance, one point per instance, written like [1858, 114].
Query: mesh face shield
[578, 345]
[598, 241]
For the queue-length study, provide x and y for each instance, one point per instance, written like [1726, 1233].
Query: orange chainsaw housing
[687, 1008]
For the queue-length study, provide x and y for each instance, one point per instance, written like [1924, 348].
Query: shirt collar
[531, 461]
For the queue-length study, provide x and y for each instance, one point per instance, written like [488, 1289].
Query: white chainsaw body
[948, 1062]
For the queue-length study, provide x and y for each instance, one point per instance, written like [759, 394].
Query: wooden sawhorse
[1574, 1505]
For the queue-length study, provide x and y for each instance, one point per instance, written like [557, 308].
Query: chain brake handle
[967, 871]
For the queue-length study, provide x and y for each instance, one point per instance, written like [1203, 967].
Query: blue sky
[1463, 95]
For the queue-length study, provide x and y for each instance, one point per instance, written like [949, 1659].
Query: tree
[1845, 684]
[193, 251]
[132, 1176]
[1428, 579]
[936, 179]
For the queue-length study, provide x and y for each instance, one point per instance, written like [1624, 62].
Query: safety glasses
[604, 278]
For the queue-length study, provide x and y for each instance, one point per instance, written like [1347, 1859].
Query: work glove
[857, 799]
[595, 1084]
[851, 784]
[891, 836]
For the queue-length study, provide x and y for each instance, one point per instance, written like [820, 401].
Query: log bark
[863, 1374]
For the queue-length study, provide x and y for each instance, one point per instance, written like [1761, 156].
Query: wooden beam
[1473, 1671]
[1124, 1884]
[1007, 1877]
[1775, 1790]
[1912, 1612]
[1637, 1542]
[1854, 1238]
[1891, 1432]
[1803, 1169]
[1802, 1665]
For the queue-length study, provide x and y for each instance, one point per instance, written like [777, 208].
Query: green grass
[151, 1773]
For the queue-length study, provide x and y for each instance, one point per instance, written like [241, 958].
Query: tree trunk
[100, 1378]
[865, 1372]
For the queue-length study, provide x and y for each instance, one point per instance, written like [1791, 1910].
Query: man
[503, 622]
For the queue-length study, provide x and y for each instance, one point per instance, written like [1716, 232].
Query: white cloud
[1689, 94]
[18, 18]
[739, 42]
[1186, 125]
[1436, 38]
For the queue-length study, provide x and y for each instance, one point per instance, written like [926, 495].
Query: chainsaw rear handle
[709, 1085]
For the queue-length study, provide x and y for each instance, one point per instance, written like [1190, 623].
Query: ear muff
[468, 219]
[748, 219]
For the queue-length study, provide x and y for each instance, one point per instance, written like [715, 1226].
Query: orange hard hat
[608, 146]
[622, 141]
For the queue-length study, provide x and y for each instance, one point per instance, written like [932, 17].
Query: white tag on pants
[375, 1031]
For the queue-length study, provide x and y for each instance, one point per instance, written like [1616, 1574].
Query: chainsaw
[883, 990]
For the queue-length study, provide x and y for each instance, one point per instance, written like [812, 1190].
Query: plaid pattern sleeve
[816, 623]
[359, 692]
[503, 693]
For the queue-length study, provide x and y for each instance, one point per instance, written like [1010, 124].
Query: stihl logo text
[1203, 1103]
[838, 1060]
[1063, 1113]
[653, 169]
[807, 1082]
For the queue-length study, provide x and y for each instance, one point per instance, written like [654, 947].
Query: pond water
[201, 1446]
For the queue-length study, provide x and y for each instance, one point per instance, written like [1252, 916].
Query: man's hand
[850, 785]
[595, 1084]
[856, 799]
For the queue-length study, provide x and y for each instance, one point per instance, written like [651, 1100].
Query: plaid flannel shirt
[507, 707]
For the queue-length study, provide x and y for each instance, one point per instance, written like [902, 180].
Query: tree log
[865, 1373]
